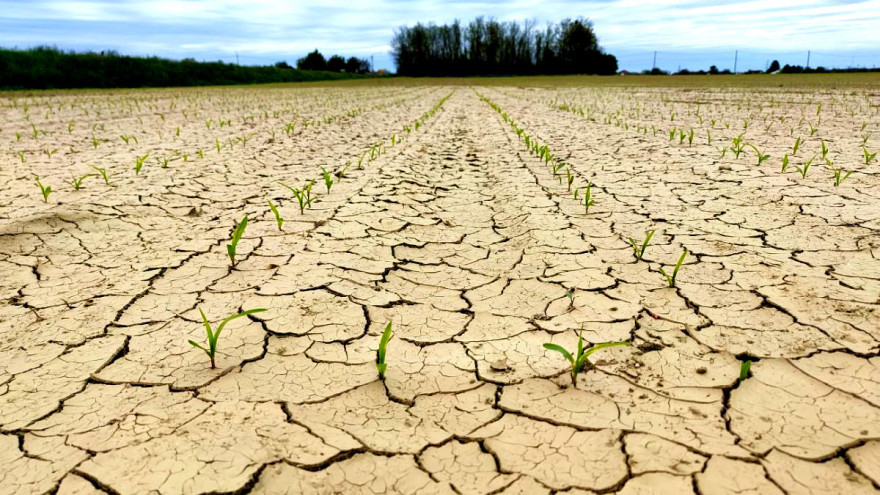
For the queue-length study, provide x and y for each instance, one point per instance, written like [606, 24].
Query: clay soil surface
[466, 240]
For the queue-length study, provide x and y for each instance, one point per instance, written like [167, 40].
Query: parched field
[452, 214]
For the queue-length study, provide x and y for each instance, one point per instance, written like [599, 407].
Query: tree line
[50, 68]
[316, 61]
[488, 47]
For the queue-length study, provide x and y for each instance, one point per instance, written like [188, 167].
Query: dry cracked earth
[478, 254]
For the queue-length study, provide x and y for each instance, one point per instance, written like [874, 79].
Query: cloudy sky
[685, 33]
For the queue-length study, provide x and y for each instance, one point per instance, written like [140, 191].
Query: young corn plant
[797, 146]
[744, 369]
[588, 197]
[738, 146]
[840, 175]
[824, 150]
[45, 190]
[103, 173]
[76, 182]
[869, 157]
[670, 279]
[578, 360]
[785, 163]
[802, 169]
[236, 236]
[761, 157]
[639, 251]
[340, 174]
[214, 335]
[139, 163]
[278, 219]
[328, 179]
[381, 365]
[303, 196]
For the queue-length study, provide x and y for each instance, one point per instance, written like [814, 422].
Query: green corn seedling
[784, 163]
[824, 150]
[796, 147]
[277, 214]
[670, 279]
[588, 197]
[217, 145]
[139, 163]
[381, 365]
[738, 146]
[213, 336]
[303, 196]
[77, 182]
[45, 190]
[761, 157]
[839, 175]
[639, 251]
[236, 236]
[869, 157]
[103, 173]
[805, 167]
[569, 177]
[578, 360]
[21, 156]
[328, 179]
[340, 174]
[691, 137]
[744, 369]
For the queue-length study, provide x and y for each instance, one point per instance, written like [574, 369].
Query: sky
[689, 34]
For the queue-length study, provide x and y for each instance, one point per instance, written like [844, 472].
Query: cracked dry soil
[469, 245]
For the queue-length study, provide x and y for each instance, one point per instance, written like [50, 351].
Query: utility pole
[735, 60]
[808, 59]
[654, 66]
[372, 67]
[236, 58]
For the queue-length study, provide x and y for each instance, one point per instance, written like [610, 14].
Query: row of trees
[50, 68]
[772, 69]
[316, 61]
[489, 47]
